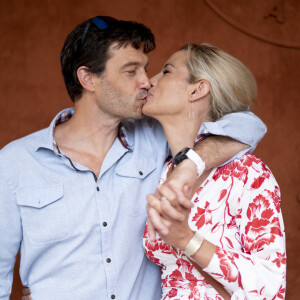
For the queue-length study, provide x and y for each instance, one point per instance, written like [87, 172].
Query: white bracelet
[195, 157]
[194, 244]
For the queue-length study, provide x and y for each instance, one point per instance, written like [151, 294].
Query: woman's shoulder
[247, 168]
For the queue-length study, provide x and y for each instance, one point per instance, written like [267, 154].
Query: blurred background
[265, 35]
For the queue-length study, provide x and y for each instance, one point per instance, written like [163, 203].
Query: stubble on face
[121, 94]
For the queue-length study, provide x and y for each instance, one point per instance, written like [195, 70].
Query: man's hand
[174, 232]
[178, 186]
[26, 293]
[171, 198]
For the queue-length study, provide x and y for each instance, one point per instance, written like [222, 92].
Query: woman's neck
[181, 131]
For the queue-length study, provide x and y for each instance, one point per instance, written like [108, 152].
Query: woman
[234, 232]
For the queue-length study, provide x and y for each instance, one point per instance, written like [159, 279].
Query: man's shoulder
[27, 143]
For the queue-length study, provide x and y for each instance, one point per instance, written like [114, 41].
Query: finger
[154, 203]
[151, 230]
[157, 221]
[182, 195]
[171, 212]
[171, 195]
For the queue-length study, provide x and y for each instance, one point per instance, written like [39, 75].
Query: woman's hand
[172, 228]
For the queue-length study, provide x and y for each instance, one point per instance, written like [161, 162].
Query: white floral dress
[237, 208]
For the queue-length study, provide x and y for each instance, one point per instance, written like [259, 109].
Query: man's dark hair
[88, 45]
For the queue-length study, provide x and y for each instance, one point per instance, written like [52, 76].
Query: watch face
[180, 156]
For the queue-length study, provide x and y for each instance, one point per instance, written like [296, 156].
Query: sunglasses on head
[101, 24]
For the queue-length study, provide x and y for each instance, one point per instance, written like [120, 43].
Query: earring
[191, 112]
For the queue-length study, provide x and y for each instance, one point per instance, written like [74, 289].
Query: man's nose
[145, 82]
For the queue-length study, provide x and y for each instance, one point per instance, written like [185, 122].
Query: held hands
[168, 209]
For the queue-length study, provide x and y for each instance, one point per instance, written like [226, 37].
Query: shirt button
[108, 260]
[141, 173]
[113, 297]
[98, 189]
[104, 224]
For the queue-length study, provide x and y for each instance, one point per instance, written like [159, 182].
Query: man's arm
[243, 130]
[10, 234]
[231, 137]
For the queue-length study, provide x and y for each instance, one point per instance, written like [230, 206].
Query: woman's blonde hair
[232, 85]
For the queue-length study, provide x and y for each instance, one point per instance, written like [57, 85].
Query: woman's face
[170, 89]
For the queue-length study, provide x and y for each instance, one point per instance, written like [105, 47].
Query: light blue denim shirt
[81, 238]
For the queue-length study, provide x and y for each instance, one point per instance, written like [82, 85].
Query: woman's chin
[147, 110]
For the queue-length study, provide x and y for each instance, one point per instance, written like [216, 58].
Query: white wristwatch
[193, 156]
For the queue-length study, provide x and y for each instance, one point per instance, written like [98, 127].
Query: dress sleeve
[259, 270]
[10, 234]
[244, 127]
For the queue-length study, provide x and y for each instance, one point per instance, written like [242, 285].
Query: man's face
[124, 84]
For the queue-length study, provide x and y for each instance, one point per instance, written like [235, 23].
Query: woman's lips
[148, 95]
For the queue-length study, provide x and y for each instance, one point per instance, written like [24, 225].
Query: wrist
[190, 155]
[184, 242]
[194, 244]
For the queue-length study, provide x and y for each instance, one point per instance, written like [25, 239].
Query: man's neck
[88, 135]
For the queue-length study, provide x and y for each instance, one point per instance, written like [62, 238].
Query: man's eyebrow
[133, 63]
[168, 64]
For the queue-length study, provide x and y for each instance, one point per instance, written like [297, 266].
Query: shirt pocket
[44, 213]
[136, 182]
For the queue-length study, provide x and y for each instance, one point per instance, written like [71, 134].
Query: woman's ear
[85, 78]
[200, 90]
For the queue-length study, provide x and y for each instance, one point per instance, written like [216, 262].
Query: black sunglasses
[101, 24]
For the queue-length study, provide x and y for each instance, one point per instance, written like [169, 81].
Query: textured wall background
[263, 34]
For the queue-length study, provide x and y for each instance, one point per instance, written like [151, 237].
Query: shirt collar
[200, 137]
[47, 141]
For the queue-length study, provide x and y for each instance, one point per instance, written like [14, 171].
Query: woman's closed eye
[166, 71]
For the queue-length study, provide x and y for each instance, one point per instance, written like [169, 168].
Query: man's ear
[85, 78]
[200, 90]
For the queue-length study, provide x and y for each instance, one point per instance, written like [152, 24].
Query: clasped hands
[169, 207]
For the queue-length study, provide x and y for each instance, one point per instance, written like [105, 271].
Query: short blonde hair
[232, 86]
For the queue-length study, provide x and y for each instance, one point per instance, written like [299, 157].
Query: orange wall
[32, 89]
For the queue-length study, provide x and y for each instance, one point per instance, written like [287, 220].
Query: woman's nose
[153, 80]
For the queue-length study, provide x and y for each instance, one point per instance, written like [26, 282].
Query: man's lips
[148, 95]
[145, 98]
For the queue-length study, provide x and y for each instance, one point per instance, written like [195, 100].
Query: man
[73, 195]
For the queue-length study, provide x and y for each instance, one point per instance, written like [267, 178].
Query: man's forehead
[126, 54]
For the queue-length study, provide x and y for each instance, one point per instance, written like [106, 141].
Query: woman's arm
[259, 269]
[228, 138]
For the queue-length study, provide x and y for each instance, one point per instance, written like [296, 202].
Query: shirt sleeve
[244, 127]
[10, 234]
[259, 270]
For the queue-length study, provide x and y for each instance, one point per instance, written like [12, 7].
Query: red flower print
[184, 265]
[273, 197]
[263, 225]
[248, 160]
[280, 293]
[222, 194]
[234, 169]
[152, 257]
[280, 259]
[194, 295]
[172, 293]
[228, 266]
[203, 216]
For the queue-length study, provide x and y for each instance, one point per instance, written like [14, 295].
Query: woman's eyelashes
[166, 71]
